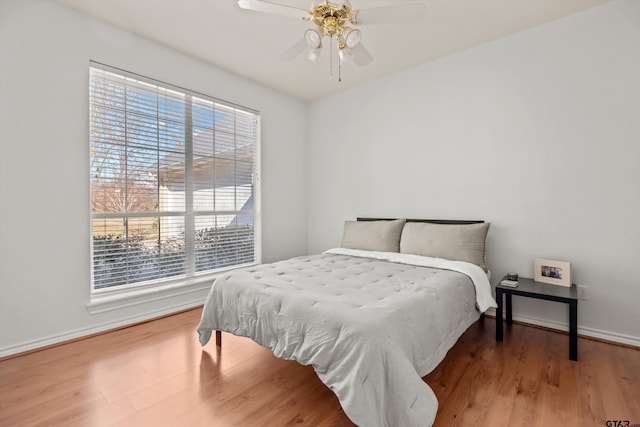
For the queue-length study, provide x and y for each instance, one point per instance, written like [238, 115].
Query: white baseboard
[83, 332]
[587, 332]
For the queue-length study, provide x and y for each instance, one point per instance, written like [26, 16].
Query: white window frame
[120, 296]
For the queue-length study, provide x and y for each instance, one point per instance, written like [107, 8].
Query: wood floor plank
[611, 378]
[157, 374]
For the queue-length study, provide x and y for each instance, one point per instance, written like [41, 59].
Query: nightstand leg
[573, 330]
[509, 310]
[499, 315]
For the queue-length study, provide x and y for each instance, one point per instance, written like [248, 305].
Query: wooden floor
[156, 374]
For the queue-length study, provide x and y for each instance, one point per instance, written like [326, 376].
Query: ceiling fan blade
[361, 55]
[295, 50]
[273, 8]
[391, 14]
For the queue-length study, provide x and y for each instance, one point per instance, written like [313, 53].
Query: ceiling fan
[335, 20]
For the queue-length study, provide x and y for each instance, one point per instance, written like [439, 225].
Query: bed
[372, 316]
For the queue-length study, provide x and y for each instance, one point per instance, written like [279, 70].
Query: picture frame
[552, 272]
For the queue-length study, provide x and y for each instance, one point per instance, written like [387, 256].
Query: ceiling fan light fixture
[351, 37]
[345, 54]
[313, 54]
[313, 39]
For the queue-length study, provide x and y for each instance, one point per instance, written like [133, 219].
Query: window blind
[173, 180]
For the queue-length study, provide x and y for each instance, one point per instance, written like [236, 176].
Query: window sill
[114, 300]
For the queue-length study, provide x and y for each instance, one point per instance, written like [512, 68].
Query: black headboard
[433, 221]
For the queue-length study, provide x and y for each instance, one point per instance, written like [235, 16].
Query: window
[173, 182]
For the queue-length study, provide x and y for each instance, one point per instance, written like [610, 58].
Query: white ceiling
[251, 44]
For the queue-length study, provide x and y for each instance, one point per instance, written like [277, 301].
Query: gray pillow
[458, 242]
[383, 236]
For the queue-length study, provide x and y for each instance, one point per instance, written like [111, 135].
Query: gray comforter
[370, 328]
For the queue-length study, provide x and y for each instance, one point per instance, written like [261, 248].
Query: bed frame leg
[219, 338]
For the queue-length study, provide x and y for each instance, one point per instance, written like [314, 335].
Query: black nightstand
[532, 289]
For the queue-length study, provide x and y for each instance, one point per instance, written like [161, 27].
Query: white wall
[538, 133]
[45, 50]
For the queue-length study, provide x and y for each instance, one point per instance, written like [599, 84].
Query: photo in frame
[552, 272]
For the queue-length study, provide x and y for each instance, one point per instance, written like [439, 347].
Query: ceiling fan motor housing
[332, 18]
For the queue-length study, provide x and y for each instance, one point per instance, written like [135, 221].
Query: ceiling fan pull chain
[339, 68]
[331, 59]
